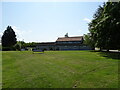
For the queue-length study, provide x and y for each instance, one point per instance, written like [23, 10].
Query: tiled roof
[78, 38]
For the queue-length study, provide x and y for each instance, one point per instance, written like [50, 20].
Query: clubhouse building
[64, 43]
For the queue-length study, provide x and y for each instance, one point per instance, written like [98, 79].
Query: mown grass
[59, 69]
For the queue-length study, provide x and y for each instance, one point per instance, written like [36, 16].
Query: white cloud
[17, 30]
[20, 33]
[1, 34]
[86, 19]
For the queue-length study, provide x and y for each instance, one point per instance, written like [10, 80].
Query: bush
[8, 48]
[17, 47]
[14, 48]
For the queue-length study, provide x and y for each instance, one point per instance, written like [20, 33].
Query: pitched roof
[78, 38]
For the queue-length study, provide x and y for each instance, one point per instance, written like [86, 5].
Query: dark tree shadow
[112, 55]
[94, 51]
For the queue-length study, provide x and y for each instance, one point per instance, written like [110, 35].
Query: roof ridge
[70, 37]
[75, 38]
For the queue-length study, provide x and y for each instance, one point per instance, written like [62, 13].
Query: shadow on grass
[112, 55]
[94, 51]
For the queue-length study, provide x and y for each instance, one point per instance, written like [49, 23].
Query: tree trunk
[107, 50]
[93, 48]
[100, 49]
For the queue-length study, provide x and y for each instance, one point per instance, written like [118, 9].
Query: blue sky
[46, 21]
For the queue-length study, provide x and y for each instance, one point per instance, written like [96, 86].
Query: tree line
[9, 41]
[105, 27]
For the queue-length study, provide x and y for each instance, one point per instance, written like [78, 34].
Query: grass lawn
[59, 69]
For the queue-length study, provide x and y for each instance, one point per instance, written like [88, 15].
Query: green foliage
[17, 46]
[89, 41]
[32, 44]
[24, 44]
[8, 48]
[104, 28]
[9, 37]
[21, 43]
[59, 69]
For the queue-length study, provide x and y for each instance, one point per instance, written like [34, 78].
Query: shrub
[17, 47]
[8, 48]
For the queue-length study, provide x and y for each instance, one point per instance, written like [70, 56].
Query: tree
[17, 46]
[89, 41]
[95, 27]
[104, 28]
[9, 37]
[22, 44]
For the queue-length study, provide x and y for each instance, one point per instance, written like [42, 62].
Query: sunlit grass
[59, 69]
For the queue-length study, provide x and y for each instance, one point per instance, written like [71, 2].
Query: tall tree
[9, 37]
[95, 27]
[105, 27]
